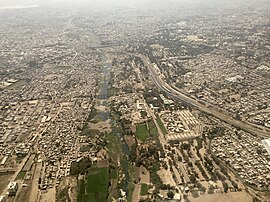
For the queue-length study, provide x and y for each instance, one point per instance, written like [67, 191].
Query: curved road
[260, 132]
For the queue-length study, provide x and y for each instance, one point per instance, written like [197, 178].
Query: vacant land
[24, 192]
[4, 180]
[229, 197]
[141, 132]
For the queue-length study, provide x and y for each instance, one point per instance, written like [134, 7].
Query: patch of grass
[92, 114]
[85, 148]
[21, 175]
[112, 91]
[152, 128]
[89, 132]
[144, 189]
[81, 191]
[112, 144]
[141, 132]
[162, 127]
[131, 187]
[113, 173]
[94, 188]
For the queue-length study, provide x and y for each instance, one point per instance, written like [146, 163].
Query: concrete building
[12, 188]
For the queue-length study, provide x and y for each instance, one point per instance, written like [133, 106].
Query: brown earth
[228, 197]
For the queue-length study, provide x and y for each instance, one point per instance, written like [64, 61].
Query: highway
[255, 130]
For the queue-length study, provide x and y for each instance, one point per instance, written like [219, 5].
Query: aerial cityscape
[134, 101]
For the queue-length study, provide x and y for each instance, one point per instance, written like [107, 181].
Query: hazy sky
[23, 2]
[131, 3]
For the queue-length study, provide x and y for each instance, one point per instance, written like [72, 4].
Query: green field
[144, 189]
[21, 175]
[112, 91]
[97, 184]
[162, 127]
[94, 189]
[141, 132]
[152, 128]
[112, 144]
[81, 191]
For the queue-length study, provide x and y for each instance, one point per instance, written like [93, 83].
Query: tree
[225, 186]
[211, 189]
[203, 189]
[192, 178]
[170, 195]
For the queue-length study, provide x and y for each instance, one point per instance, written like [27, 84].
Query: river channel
[106, 70]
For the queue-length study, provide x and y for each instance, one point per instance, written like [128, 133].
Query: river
[106, 70]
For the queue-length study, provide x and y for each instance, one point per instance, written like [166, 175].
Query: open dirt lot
[102, 126]
[4, 180]
[229, 197]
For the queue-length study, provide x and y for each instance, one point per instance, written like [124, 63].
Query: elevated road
[255, 130]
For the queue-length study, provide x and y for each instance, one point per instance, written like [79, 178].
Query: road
[263, 133]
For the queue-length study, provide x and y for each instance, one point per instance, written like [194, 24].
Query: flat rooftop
[266, 144]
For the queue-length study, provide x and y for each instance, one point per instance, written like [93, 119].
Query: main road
[211, 110]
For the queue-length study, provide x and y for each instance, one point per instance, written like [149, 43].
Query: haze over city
[134, 100]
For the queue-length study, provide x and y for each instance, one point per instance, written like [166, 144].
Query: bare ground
[24, 193]
[50, 195]
[144, 175]
[228, 197]
[165, 176]
[71, 184]
[4, 180]
[102, 126]
[136, 194]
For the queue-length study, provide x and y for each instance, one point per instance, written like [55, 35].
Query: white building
[12, 188]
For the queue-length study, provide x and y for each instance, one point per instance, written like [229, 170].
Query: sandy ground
[102, 126]
[229, 197]
[137, 193]
[165, 176]
[136, 117]
[101, 108]
[103, 163]
[49, 195]
[4, 180]
[24, 192]
[144, 175]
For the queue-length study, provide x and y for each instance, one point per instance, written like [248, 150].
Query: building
[3, 199]
[266, 144]
[12, 188]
